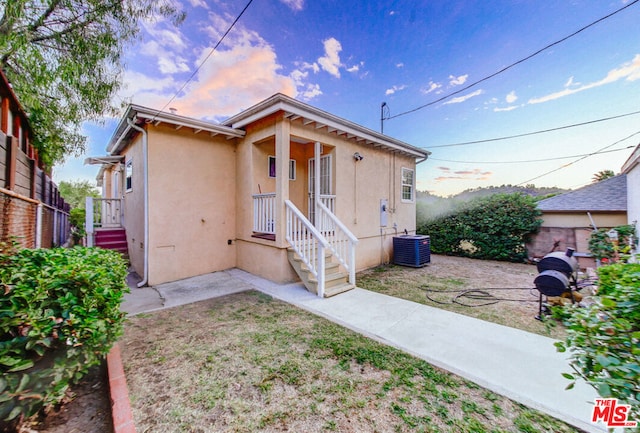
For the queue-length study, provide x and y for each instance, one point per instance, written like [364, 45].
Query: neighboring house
[632, 169]
[569, 218]
[32, 213]
[199, 197]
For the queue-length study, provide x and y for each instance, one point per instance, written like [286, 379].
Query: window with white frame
[129, 175]
[407, 184]
[272, 168]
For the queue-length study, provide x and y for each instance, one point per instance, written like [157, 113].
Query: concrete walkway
[522, 366]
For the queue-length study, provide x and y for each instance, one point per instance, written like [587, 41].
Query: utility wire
[515, 63]
[531, 160]
[589, 122]
[579, 159]
[193, 74]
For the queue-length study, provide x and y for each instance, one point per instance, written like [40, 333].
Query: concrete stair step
[336, 290]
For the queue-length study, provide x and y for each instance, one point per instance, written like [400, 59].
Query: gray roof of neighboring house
[608, 195]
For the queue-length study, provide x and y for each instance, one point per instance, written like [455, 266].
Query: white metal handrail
[264, 213]
[342, 242]
[307, 242]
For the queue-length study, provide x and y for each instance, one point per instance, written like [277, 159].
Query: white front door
[326, 185]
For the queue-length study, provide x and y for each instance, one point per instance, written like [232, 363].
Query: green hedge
[59, 315]
[495, 227]
[604, 338]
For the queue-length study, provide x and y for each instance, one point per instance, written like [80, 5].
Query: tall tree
[602, 175]
[75, 192]
[64, 61]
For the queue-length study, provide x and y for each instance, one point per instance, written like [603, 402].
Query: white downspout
[145, 158]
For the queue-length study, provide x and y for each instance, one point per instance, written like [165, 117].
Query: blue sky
[348, 57]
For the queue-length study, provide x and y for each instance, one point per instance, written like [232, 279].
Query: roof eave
[140, 115]
[296, 109]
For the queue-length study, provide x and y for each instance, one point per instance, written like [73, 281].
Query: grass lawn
[247, 362]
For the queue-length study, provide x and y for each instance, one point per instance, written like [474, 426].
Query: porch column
[283, 144]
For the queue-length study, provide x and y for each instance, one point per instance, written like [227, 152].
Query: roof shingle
[608, 195]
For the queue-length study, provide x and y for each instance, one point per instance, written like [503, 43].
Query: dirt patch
[85, 409]
[246, 363]
[499, 292]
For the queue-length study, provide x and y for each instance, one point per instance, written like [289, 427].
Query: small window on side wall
[129, 176]
[407, 184]
[272, 168]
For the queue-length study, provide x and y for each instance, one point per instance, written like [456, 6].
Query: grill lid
[559, 261]
[552, 283]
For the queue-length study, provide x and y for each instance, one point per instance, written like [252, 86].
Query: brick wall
[17, 220]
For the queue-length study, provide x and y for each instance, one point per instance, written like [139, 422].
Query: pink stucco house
[282, 190]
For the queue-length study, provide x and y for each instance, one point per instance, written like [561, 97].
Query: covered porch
[294, 209]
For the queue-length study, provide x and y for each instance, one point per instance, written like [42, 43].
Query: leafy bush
[59, 315]
[77, 220]
[604, 248]
[495, 227]
[604, 338]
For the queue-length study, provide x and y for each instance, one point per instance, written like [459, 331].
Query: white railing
[264, 213]
[307, 242]
[326, 199]
[342, 242]
[102, 212]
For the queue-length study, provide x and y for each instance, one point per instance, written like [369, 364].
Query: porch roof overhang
[106, 159]
[318, 119]
[140, 115]
[104, 162]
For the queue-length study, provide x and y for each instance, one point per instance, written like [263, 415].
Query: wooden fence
[32, 212]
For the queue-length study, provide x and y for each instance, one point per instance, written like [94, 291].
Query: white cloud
[200, 3]
[231, 79]
[400, 65]
[511, 97]
[395, 89]
[460, 99]
[431, 87]
[330, 62]
[295, 5]
[571, 83]
[167, 60]
[509, 108]
[354, 68]
[629, 71]
[456, 81]
[310, 91]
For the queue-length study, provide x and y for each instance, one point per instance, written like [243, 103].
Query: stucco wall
[633, 197]
[192, 204]
[133, 205]
[581, 219]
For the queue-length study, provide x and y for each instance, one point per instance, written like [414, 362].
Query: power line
[534, 132]
[579, 159]
[193, 74]
[531, 160]
[514, 64]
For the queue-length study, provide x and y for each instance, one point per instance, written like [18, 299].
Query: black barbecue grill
[557, 275]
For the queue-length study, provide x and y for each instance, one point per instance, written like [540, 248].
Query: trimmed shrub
[59, 315]
[495, 227]
[604, 338]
